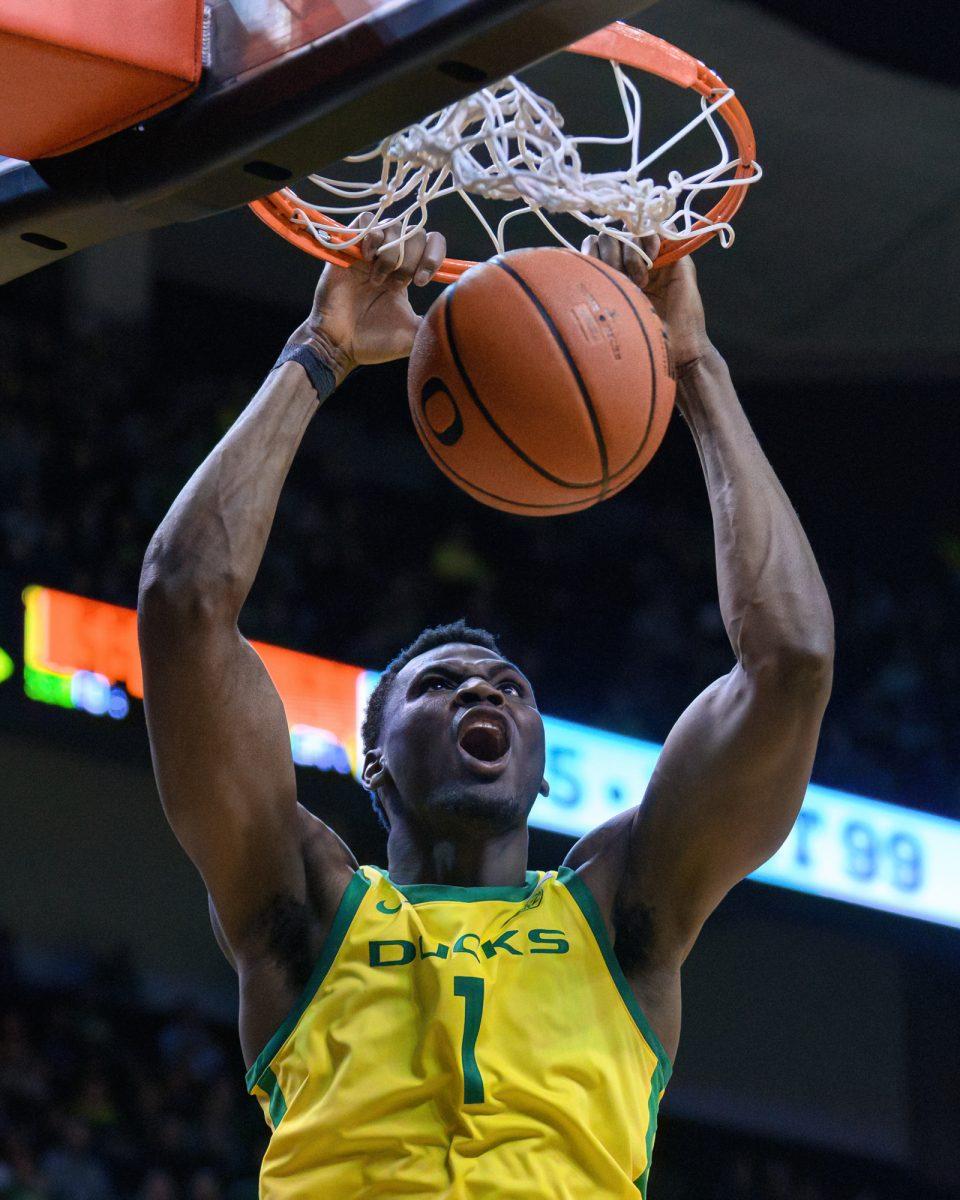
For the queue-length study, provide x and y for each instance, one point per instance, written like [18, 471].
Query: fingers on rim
[633, 259]
[650, 245]
[434, 252]
[411, 252]
[610, 251]
[387, 260]
[371, 241]
[635, 264]
[417, 258]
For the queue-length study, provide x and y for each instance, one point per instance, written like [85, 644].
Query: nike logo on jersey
[383, 907]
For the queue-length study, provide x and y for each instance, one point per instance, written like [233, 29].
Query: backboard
[288, 86]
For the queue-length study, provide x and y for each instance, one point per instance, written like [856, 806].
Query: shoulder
[598, 859]
[290, 932]
[326, 856]
[329, 865]
[289, 928]
[601, 860]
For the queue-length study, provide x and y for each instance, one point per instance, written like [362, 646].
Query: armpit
[283, 929]
[634, 932]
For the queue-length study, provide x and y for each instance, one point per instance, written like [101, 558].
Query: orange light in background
[316, 692]
[67, 634]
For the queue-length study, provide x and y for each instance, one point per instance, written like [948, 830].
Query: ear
[374, 772]
[544, 788]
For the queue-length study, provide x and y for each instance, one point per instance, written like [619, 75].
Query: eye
[434, 683]
[511, 685]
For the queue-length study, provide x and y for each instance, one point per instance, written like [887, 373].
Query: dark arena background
[820, 1057]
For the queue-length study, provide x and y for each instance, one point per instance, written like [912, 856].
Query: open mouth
[483, 737]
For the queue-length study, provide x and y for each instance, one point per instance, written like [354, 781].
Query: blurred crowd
[614, 618]
[747, 1169]
[104, 1098]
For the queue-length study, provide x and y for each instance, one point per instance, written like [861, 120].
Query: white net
[508, 144]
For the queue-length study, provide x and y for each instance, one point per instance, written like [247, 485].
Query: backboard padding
[285, 93]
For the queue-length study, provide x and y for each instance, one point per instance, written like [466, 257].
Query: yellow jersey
[463, 1043]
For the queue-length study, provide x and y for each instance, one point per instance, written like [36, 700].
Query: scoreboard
[81, 653]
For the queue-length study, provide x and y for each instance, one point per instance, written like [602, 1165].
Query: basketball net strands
[506, 143]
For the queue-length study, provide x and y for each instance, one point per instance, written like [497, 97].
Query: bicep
[221, 754]
[724, 795]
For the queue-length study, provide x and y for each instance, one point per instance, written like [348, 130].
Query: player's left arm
[731, 777]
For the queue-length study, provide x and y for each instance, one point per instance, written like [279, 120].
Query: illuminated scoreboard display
[83, 654]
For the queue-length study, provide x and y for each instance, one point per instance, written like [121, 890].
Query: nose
[478, 691]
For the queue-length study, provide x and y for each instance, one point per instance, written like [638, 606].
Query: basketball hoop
[506, 143]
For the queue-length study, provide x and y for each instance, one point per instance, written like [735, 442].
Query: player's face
[463, 738]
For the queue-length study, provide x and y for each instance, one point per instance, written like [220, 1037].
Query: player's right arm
[218, 732]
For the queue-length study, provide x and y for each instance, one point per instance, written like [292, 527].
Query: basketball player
[456, 1025]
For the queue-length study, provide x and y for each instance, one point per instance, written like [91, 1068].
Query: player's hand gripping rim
[362, 314]
[672, 291]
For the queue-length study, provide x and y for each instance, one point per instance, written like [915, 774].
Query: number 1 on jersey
[472, 992]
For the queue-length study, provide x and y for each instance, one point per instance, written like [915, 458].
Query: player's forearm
[211, 542]
[773, 600]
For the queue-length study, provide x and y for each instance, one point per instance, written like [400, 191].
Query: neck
[470, 860]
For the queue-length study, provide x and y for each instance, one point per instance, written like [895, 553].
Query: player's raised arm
[218, 732]
[733, 772]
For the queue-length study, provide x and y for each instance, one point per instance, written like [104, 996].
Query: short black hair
[439, 635]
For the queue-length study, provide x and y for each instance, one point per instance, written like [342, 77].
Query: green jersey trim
[346, 911]
[423, 893]
[270, 1087]
[654, 1109]
[591, 910]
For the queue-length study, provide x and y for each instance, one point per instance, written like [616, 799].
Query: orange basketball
[539, 382]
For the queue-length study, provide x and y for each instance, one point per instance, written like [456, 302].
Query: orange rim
[620, 42]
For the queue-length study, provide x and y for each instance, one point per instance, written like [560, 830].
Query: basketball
[539, 383]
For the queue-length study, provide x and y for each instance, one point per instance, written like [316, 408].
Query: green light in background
[6, 666]
[47, 687]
